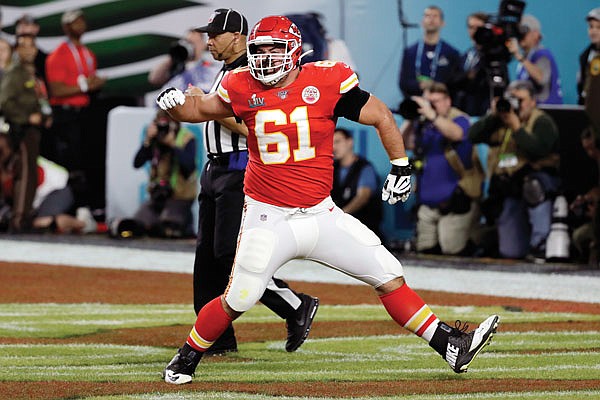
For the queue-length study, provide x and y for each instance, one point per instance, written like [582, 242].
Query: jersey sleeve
[348, 77]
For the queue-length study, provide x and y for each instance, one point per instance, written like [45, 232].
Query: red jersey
[64, 65]
[290, 131]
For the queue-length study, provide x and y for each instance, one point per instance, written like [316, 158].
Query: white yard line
[511, 284]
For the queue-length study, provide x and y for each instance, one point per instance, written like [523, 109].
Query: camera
[162, 127]
[409, 109]
[492, 38]
[180, 52]
[505, 104]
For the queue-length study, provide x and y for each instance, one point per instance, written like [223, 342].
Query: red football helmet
[270, 66]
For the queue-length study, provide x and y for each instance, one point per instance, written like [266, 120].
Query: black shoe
[181, 368]
[463, 347]
[298, 326]
[223, 345]
[536, 254]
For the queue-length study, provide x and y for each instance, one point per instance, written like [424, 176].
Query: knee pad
[250, 275]
[244, 290]
[357, 230]
[388, 262]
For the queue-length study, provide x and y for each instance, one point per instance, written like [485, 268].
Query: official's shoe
[463, 347]
[221, 349]
[181, 368]
[298, 326]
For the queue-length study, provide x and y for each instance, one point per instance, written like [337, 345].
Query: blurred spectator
[472, 84]
[592, 52]
[523, 161]
[54, 202]
[72, 79]
[356, 187]
[430, 58]
[315, 38]
[446, 215]
[24, 102]
[27, 25]
[171, 150]
[5, 56]
[536, 63]
[588, 85]
[187, 64]
[585, 207]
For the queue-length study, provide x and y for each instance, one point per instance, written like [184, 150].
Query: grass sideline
[535, 355]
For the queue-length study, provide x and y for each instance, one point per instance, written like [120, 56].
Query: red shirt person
[71, 77]
[290, 112]
[71, 67]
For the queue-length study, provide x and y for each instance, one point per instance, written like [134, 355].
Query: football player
[290, 112]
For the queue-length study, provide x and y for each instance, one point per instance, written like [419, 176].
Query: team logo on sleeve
[311, 95]
[256, 101]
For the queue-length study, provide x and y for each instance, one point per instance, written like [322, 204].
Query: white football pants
[270, 236]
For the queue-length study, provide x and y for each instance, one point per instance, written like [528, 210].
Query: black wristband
[404, 170]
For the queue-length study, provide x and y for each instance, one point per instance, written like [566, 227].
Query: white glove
[170, 98]
[397, 184]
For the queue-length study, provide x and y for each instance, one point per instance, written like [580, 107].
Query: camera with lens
[180, 52]
[492, 38]
[162, 128]
[409, 109]
[505, 104]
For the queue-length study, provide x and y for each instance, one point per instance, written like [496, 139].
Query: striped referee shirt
[217, 138]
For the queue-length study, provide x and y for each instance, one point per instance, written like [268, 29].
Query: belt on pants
[223, 159]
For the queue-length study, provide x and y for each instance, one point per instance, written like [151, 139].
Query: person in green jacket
[24, 104]
[523, 167]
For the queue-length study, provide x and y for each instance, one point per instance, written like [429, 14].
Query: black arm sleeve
[350, 104]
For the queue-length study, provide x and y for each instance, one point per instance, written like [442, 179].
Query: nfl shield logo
[263, 217]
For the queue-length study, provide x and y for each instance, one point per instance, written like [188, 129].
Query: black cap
[225, 20]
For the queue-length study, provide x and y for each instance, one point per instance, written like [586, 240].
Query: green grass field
[531, 355]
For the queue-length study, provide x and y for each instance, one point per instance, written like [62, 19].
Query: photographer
[523, 162]
[536, 63]
[187, 63]
[446, 214]
[171, 151]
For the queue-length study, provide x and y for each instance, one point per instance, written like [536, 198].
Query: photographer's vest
[507, 158]
[167, 170]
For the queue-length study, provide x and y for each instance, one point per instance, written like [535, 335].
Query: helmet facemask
[271, 67]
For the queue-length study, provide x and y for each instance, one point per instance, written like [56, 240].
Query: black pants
[65, 144]
[221, 202]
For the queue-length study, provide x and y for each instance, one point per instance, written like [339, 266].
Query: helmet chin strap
[305, 54]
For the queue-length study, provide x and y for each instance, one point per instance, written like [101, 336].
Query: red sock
[211, 323]
[409, 310]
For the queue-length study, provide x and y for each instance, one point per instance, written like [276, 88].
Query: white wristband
[401, 162]
[82, 82]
